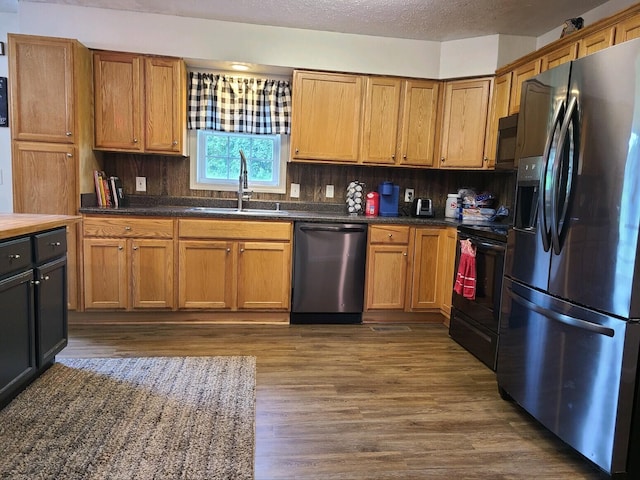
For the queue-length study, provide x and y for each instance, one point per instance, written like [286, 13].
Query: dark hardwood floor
[362, 401]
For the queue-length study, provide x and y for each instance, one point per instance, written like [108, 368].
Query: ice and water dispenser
[528, 192]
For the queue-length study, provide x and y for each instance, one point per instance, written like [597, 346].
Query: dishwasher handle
[332, 228]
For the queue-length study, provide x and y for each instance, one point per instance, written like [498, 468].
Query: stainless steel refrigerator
[570, 309]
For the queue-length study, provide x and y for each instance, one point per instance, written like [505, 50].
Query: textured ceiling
[436, 20]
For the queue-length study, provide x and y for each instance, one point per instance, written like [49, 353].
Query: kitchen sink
[235, 211]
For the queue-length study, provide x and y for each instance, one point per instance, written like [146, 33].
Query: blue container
[389, 195]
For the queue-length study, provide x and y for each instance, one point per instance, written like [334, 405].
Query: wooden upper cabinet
[42, 89]
[399, 121]
[165, 105]
[559, 56]
[140, 103]
[326, 117]
[381, 117]
[499, 109]
[596, 41]
[464, 123]
[520, 74]
[118, 93]
[419, 119]
[628, 29]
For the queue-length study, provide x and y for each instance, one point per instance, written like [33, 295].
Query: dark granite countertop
[256, 210]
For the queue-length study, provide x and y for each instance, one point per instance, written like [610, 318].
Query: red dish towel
[466, 277]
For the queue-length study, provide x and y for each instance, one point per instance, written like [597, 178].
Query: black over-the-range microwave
[506, 145]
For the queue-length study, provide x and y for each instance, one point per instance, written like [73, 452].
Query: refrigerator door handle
[560, 317]
[546, 190]
[559, 218]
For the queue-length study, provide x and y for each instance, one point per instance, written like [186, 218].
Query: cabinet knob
[69, 155]
[404, 156]
[35, 282]
[135, 247]
[135, 140]
[120, 247]
[442, 160]
[127, 228]
[297, 151]
[68, 134]
[393, 157]
[175, 142]
[241, 250]
[54, 244]
[44, 277]
[14, 256]
[228, 250]
[404, 253]
[390, 235]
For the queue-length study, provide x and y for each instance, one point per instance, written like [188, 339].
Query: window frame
[196, 162]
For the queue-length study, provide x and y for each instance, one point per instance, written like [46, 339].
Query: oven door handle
[485, 245]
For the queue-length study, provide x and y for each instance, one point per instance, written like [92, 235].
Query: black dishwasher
[328, 272]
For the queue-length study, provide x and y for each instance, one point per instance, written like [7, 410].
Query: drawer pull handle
[14, 256]
[390, 235]
[55, 244]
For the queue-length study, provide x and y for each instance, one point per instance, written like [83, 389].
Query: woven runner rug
[133, 418]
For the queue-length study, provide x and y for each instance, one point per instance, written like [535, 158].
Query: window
[216, 163]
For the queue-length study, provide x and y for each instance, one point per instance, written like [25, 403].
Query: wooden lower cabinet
[125, 273]
[234, 265]
[410, 269]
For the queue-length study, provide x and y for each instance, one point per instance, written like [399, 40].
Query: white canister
[451, 207]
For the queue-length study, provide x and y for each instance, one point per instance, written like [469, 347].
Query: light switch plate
[141, 184]
[295, 190]
[329, 191]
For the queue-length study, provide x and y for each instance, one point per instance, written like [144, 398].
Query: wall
[8, 23]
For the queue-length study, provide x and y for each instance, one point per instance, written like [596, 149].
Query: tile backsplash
[169, 176]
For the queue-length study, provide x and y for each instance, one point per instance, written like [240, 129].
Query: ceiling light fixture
[241, 67]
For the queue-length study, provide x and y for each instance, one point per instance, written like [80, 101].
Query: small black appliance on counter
[422, 207]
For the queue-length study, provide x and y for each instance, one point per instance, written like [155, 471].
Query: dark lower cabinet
[33, 302]
[17, 339]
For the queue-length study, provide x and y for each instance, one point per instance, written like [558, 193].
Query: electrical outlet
[408, 194]
[141, 184]
[295, 190]
[329, 192]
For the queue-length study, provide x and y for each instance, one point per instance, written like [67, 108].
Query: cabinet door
[106, 278]
[51, 310]
[151, 273]
[119, 93]
[264, 275]
[165, 95]
[207, 274]
[326, 116]
[559, 56]
[17, 346]
[448, 239]
[499, 109]
[42, 105]
[381, 116]
[596, 41]
[386, 277]
[628, 29]
[520, 74]
[425, 269]
[418, 129]
[44, 178]
[464, 124]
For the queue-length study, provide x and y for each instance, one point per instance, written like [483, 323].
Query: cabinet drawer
[134, 227]
[15, 255]
[234, 229]
[389, 234]
[49, 245]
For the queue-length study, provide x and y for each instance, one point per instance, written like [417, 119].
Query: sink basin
[235, 211]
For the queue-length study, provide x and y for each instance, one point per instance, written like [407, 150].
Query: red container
[372, 205]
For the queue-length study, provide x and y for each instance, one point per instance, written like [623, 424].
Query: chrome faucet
[243, 182]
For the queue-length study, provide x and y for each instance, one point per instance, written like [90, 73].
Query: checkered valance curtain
[247, 105]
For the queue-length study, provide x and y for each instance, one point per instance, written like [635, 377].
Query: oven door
[474, 323]
[485, 308]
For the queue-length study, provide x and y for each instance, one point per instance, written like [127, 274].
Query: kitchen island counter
[18, 224]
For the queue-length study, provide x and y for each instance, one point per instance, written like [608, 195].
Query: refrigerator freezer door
[573, 369]
[597, 263]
